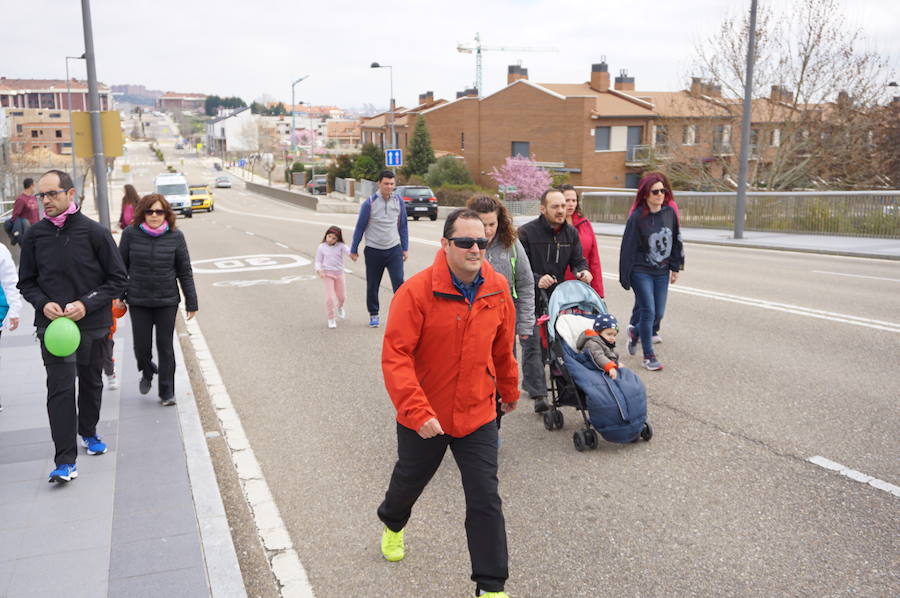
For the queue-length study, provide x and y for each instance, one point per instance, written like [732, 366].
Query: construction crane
[477, 49]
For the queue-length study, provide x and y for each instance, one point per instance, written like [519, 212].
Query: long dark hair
[643, 191]
[567, 187]
[131, 196]
[506, 233]
[149, 200]
[336, 231]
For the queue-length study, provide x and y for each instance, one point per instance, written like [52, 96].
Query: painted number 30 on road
[249, 263]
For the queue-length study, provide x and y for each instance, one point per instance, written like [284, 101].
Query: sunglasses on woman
[467, 242]
[658, 191]
[152, 212]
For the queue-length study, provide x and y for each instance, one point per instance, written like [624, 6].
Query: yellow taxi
[202, 198]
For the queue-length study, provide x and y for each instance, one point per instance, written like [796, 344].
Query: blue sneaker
[93, 444]
[374, 322]
[63, 473]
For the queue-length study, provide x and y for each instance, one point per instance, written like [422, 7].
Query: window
[601, 139]
[56, 115]
[17, 114]
[34, 133]
[18, 129]
[775, 137]
[689, 135]
[754, 137]
[462, 142]
[521, 148]
[58, 134]
[632, 180]
[662, 135]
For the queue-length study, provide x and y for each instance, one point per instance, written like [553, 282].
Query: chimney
[713, 91]
[470, 92]
[600, 76]
[426, 98]
[514, 72]
[624, 82]
[781, 94]
[696, 86]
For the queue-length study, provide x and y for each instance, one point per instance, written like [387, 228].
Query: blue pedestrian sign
[393, 157]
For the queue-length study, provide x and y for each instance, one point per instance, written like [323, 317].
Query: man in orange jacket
[447, 352]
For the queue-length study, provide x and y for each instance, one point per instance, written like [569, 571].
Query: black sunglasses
[50, 194]
[658, 191]
[151, 212]
[467, 242]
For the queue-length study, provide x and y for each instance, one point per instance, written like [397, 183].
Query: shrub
[364, 167]
[448, 171]
[457, 195]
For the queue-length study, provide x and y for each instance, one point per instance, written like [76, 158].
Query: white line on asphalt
[857, 275]
[784, 307]
[246, 232]
[282, 245]
[283, 559]
[855, 475]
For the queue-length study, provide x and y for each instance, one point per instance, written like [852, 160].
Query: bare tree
[818, 93]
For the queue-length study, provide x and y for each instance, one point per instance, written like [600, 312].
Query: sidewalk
[145, 519]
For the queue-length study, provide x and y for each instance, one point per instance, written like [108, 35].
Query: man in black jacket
[70, 267]
[551, 244]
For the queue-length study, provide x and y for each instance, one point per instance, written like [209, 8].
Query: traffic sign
[393, 157]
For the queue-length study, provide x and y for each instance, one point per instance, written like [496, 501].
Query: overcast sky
[255, 47]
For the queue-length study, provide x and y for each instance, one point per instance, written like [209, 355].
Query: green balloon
[62, 337]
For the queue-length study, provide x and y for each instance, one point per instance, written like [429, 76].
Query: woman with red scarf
[587, 237]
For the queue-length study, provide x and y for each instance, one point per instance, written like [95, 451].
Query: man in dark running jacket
[552, 244]
[70, 266]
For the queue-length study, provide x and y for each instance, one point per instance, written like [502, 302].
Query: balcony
[641, 155]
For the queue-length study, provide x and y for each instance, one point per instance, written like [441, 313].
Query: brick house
[33, 128]
[377, 129]
[178, 102]
[49, 93]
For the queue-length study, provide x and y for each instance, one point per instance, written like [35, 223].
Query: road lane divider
[854, 475]
[271, 530]
[856, 275]
[783, 307]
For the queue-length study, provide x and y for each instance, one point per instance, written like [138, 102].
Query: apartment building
[33, 128]
[180, 102]
[342, 135]
[601, 132]
[50, 93]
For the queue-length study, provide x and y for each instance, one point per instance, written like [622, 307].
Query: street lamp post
[293, 112]
[375, 65]
[71, 125]
[741, 202]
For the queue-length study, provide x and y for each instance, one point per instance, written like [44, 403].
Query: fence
[365, 189]
[340, 185]
[850, 213]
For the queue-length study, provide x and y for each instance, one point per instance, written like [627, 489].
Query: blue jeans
[376, 261]
[650, 293]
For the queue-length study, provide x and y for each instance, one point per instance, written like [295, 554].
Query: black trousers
[476, 457]
[143, 322]
[65, 419]
[376, 261]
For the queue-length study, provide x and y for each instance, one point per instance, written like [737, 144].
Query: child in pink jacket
[330, 268]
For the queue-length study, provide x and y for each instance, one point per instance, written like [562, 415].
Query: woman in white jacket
[10, 299]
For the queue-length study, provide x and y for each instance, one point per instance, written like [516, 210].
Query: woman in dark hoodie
[650, 258]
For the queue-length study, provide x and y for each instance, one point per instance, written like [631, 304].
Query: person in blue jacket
[382, 219]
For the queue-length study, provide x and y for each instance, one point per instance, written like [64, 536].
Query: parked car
[179, 146]
[202, 198]
[174, 187]
[318, 185]
[420, 201]
[223, 181]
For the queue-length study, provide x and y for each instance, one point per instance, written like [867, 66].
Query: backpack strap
[513, 258]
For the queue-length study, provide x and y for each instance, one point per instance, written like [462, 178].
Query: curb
[223, 572]
[283, 559]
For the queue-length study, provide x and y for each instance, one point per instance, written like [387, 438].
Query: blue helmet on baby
[604, 321]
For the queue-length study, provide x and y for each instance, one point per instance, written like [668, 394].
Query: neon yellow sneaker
[494, 595]
[392, 545]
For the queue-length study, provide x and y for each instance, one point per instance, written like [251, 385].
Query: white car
[174, 187]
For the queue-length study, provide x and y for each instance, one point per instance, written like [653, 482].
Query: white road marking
[783, 307]
[282, 245]
[252, 283]
[250, 263]
[856, 275]
[246, 232]
[855, 475]
[283, 559]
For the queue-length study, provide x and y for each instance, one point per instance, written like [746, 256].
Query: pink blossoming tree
[529, 179]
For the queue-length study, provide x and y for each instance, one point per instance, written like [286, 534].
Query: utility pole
[100, 185]
[78, 191]
[294, 112]
[741, 207]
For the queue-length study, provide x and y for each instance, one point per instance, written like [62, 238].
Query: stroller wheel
[578, 440]
[558, 419]
[647, 432]
[548, 420]
[590, 438]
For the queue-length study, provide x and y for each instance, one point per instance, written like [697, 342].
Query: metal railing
[845, 213]
[340, 185]
[365, 189]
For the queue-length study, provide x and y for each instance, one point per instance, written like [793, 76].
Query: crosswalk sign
[393, 157]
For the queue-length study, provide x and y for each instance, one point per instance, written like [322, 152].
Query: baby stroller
[617, 409]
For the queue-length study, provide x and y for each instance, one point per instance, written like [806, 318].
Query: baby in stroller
[599, 342]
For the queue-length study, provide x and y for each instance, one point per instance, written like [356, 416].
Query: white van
[174, 187]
